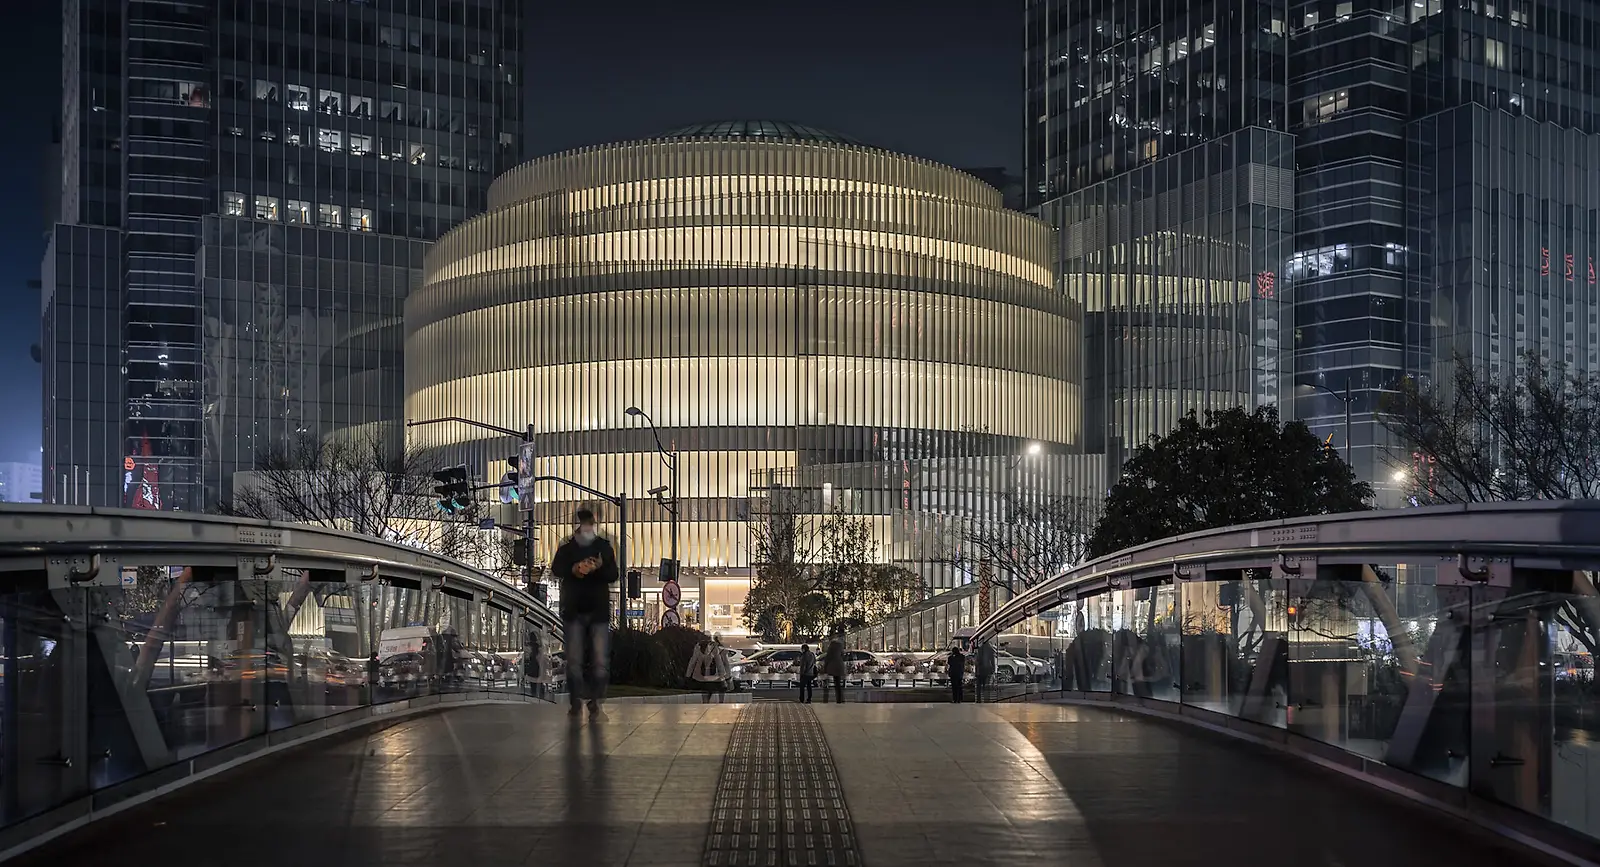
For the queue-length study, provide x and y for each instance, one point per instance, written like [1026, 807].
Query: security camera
[656, 492]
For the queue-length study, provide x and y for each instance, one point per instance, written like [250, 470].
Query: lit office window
[267, 208]
[299, 212]
[233, 204]
[361, 219]
[330, 216]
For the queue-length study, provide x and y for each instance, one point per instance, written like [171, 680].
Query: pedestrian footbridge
[1396, 689]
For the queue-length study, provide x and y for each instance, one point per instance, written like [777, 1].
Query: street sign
[525, 456]
[670, 594]
[670, 617]
[486, 523]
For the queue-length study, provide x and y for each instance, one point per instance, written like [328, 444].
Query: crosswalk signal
[453, 491]
[635, 584]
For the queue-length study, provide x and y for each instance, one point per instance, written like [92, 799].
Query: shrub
[639, 659]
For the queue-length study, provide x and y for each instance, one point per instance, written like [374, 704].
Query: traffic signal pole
[525, 476]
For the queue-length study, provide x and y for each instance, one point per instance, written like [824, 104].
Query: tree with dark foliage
[1236, 467]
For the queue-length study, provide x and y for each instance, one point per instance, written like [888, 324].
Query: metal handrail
[31, 533]
[1544, 530]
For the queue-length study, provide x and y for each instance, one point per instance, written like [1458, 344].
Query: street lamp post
[670, 459]
[1346, 399]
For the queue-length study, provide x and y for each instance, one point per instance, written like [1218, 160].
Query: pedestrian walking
[808, 674]
[708, 670]
[956, 664]
[833, 666]
[986, 667]
[586, 564]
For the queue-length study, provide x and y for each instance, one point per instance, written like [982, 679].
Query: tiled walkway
[1007, 784]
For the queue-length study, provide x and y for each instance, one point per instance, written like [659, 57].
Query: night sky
[939, 78]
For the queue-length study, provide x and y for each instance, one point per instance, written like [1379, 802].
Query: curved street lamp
[670, 459]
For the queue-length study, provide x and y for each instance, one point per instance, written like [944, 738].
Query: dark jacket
[957, 665]
[590, 594]
[833, 661]
[808, 663]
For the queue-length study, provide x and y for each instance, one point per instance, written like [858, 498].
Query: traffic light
[509, 489]
[453, 491]
[635, 585]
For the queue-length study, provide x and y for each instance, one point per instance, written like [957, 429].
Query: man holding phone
[587, 567]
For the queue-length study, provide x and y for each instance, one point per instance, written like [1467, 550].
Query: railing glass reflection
[153, 665]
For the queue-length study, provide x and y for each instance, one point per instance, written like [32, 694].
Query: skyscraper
[247, 191]
[1157, 145]
[1403, 180]
[1449, 172]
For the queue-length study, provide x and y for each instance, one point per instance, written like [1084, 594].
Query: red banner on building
[148, 494]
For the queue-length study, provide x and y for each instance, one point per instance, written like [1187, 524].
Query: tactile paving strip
[779, 802]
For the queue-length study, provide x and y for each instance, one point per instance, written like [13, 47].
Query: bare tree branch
[1036, 538]
[1533, 435]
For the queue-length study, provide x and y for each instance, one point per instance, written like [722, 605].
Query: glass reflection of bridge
[208, 690]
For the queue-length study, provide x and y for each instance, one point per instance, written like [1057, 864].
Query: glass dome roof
[772, 129]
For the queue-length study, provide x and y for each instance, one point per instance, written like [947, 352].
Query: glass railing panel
[41, 702]
[1234, 647]
[1540, 744]
[1380, 666]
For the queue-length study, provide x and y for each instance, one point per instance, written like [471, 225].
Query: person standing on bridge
[586, 565]
[985, 666]
[808, 675]
[957, 666]
[833, 666]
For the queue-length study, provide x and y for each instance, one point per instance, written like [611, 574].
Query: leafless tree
[361, 484]
[1534, 435]
[1033, 539]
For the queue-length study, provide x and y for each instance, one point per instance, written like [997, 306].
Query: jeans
[588, 656]
[807, 688]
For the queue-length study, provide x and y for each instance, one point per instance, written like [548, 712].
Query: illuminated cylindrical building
[774, 296]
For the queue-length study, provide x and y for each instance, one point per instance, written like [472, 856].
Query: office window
[393, 149]
[292, 136]
[1344, 10]
[394, 111]
[360, 145]
[1494, 53]
[449, 161]
[330, 216]
[267, 91]
[361, 219]
[330, 140]
[299, 212]
[1325, 106]
[330, 102]
[360, 106]
[267, 208]
[299, 97]
[233, 204]
[1208, 37]
[417, 155]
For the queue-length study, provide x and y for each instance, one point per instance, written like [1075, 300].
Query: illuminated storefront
[773, 296]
